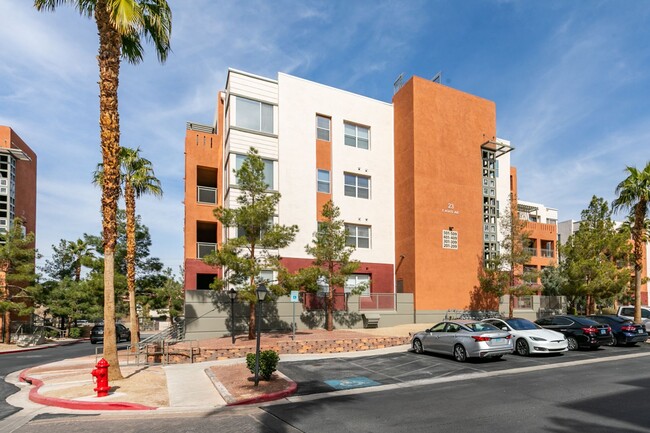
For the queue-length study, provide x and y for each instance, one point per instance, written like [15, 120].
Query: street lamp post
[233, 294]
[261, 295]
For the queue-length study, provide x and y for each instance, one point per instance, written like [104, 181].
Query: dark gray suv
[122, 333]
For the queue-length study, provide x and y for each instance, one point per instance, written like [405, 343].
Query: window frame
[320, 128]
[347, 288]
[356, 136]
[320, 182]
[267, 163]
[355, 235]
[356, 186]
[260, 110]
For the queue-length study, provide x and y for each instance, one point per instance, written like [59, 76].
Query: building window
[254, 115]
[357, 136]
[324, 181]
[357, 236]
[268, 169]
[357, 186]
[323, 125]
[358, 281]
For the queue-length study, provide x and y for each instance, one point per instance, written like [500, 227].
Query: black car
[579, 331]
[122, 333]
[623, 331]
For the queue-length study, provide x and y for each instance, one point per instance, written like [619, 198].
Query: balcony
[547, 253]
[205, 248]
[206, 195]
[530, 250]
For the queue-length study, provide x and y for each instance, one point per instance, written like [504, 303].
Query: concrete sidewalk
[68, 384]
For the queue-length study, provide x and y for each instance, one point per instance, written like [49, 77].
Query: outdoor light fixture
[261, 292]
[233, 295]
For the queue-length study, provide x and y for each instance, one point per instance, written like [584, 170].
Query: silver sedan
[463, 339]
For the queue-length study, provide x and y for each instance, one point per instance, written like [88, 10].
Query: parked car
[463, 339]
[122, 333]
[623, 331]
[529, 337]
[627, 312]
[578, 330]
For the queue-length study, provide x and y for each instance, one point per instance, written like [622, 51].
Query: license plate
[498, 341]
[640, 331]
[603, 332]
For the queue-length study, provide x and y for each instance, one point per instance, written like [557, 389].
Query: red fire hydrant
[100, 377]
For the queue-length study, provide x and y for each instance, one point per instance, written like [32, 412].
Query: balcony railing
[206, 194]
[378, 301]
[204, 248]
[530, 250]
[547, 253]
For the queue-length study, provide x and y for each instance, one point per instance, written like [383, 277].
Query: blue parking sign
[294, 296]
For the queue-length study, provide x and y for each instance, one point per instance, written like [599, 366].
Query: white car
[529, 337]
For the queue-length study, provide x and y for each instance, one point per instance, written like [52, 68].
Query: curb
[74, 404]
[41, 347]
[232, 401]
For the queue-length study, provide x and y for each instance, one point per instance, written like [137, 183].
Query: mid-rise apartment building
[420, 182]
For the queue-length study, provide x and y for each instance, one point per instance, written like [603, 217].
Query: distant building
[569, 227]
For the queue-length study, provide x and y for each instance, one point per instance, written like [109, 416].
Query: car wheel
[522, 347]
[417, 346]
[572, 343]
[614, 341]
[93, 342]
[460, 354]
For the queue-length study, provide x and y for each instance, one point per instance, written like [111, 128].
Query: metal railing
[204, 248]
[530, 250]
[206, 194]
[155, 349]
[378, 301]
[547, 253]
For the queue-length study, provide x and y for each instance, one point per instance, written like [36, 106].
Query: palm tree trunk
[251, 321]
[129, 198]
[109, 124]
[6, 331]
[637, 237]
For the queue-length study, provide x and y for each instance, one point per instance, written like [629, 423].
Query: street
[595, 391]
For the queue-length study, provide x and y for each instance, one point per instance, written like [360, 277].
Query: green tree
[68, 259]
[121, 26]
[245, 256]
[634, 195]
[596, 259]
[505, 273]
[74, 300]
[17, 273]
[553, 280]
[332, 259]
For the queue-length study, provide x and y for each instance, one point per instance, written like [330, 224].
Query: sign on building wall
[450, 239]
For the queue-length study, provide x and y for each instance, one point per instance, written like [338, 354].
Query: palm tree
[634, 195]
[80, 252]
[138, 179]
[120, 25]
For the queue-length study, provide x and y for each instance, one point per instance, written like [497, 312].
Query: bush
[268, 363]
[74, 333]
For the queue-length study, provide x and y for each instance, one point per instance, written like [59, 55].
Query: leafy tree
[596, 258]
[68, 259]
[332, 259]
[634, 195]
[120, 25]
[553, 280]
[17, 273]
[168, 296]
[74, 300]
[245, 256]
[504, 273]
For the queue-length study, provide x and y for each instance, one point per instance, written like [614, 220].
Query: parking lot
[326, 375]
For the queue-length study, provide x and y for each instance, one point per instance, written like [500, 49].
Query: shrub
[268, 363]
[74, 333]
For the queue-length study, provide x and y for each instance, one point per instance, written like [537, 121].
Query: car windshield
[521, 324]
[586, 322]
[481, 326]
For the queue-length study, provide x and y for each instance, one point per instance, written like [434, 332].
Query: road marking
[460, 377]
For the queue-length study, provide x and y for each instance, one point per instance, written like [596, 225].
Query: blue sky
[570, 80]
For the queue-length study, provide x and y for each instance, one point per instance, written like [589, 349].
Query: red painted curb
[268, 397]
[74, 404]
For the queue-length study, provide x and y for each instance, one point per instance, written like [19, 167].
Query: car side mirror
[504, 328]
